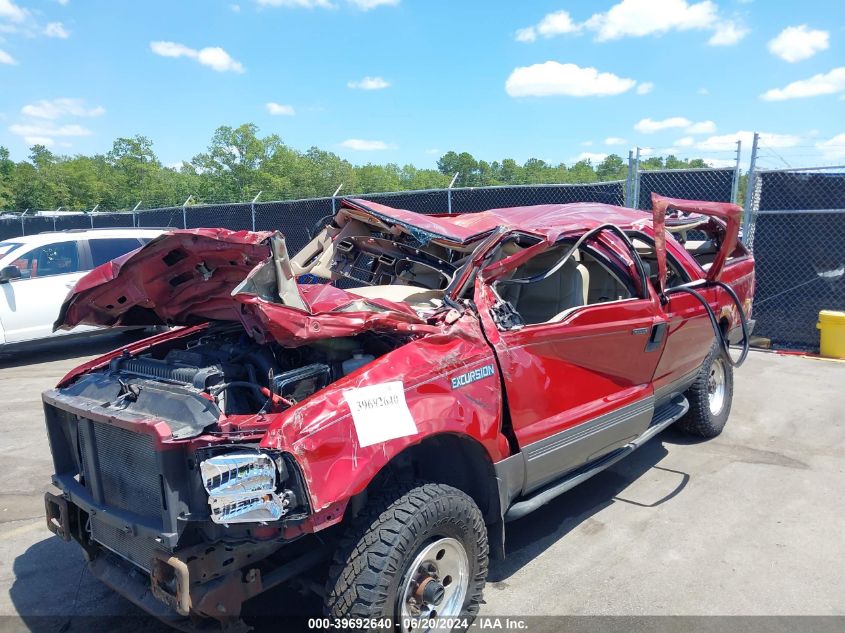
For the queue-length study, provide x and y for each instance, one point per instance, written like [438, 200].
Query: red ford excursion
[370, 412]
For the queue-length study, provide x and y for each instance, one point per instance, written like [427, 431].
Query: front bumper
[209, 580]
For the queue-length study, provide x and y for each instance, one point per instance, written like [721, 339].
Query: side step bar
[664, 415]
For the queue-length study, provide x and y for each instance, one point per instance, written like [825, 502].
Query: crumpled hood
[186, 277]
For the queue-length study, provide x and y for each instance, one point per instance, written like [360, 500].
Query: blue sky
[405, 80]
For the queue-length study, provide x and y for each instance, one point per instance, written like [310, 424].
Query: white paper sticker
[380, 412]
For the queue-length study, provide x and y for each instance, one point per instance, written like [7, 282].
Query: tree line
[239, 163]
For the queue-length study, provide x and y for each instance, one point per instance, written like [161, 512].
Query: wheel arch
[453, 459]
[446, 458]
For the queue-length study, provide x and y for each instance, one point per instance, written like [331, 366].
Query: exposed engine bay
[195, 383]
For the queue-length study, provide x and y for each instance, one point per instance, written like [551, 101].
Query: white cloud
[557, 23]
[56, 29]
[702, 127]
[432, 150]
[821, 84]
[366, 5]
[363, 145]
[212, 56]
[279, 109]
[12, 12]
[553, 24]
[31, 130]
[650, 126]
[55, 108]
[686, 141]
[369, 83]
[587, 143]
[236, 8]
[640, 18]
[795, 43]
[593, 157]
[614, 140]
[833, 148]
[528, 34]
[637, 18]
[645, 87]
[726, 142]
[64, 3]
[297, 4]
[702, 91]
[727, 33]
[554, 78]
[5, 58]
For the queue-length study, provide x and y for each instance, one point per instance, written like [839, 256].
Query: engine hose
[720, 336]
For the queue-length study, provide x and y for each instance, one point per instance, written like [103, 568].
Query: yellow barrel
[832, 328]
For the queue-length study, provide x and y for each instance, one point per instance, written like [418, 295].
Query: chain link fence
[795, 225]
[715, 184]
[797, 232]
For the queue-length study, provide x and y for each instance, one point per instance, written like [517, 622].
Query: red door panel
[558, 375]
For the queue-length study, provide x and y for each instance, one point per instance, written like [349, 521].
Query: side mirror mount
[7, 273]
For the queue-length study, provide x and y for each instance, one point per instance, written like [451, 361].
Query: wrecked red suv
[369, 413]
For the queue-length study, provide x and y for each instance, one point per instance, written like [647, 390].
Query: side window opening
[675, 274]
[584, 279]
[60, 258]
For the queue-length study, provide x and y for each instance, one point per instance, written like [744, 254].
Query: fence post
[91, 213]
[23, 227]
[449, 192]
[636, 181]
[735, 187]
[629, 179]
[185, 212]
[334, 198]
[749, 190]
[135, 214]
[252, 209]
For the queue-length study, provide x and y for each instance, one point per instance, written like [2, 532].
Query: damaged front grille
[135, 549]
[121, 468]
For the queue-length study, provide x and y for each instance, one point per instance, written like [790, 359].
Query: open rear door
[725, 211]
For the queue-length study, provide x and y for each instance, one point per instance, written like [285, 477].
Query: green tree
[612, 168]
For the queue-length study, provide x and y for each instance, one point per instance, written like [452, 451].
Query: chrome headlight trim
[242, 488]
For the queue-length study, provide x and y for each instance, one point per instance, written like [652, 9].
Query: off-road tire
[380, 544]
[701, 420]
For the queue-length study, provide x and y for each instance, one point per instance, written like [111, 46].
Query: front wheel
[710, 396]
[412, 554]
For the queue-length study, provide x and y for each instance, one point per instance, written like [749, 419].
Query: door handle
[658, 333]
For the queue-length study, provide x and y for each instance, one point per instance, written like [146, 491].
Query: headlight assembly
[242, 488]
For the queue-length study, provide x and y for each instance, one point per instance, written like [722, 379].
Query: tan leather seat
[603, 285]
[543, 300]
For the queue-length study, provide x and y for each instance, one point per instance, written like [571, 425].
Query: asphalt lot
[750, 523]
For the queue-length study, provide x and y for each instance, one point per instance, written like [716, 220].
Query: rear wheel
[413, 553]
[710, 396]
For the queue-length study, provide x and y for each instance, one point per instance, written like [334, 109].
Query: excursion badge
[471, 376]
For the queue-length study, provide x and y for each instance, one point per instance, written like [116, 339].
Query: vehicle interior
[376, 261]
[582, 280]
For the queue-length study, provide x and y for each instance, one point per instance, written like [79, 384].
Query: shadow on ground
[529, 537]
